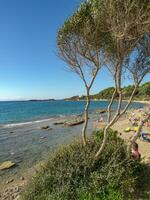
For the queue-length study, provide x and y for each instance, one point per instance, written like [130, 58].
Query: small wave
[25, 123]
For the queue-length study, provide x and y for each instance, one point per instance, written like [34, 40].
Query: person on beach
[134, 152]
[101, 119]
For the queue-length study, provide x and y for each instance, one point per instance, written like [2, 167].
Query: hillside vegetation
[143, 93]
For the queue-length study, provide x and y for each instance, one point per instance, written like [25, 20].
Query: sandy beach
[121, 125]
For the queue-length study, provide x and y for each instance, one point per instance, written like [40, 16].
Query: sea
[24, 142]
[15, 112]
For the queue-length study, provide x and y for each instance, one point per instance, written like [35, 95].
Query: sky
[29, 65]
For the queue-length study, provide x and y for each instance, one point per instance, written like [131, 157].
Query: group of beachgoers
[135, 118]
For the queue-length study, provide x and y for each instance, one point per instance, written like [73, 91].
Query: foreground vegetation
[71, 173]
[142, 93]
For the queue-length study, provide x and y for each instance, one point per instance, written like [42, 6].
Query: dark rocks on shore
[44, 137]
[78, 119]
[59, 123]
[101, 111]
[46, 128]
[74, 122]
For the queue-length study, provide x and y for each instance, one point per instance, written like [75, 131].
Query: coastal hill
[143, 93]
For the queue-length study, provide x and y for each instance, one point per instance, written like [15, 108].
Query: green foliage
[105, 94]
[145, 89]
[71, 172]
[142, 93]
[75, 24]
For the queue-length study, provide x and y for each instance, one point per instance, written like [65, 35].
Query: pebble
[44, 137]
[6, 191]
[22, 178]
[17, 197]
[10, 181]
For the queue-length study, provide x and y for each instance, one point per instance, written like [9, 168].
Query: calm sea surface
[25, 111]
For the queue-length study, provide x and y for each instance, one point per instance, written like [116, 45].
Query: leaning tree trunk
[86, 113]
[99, 152]
[135, 137]
[110, 123]
[109, 106]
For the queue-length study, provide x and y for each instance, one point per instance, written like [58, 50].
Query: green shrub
[72, 174]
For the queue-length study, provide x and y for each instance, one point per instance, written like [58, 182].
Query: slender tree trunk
[103, 143]
[135, 137]
[86, 113]
[99, 152]
[109, 106]
[107, 127]
[129, 102]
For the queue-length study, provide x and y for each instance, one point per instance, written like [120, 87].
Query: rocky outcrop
[74, 122]
[46, 128]
[101, 111]
[59, 123]
[6, 165]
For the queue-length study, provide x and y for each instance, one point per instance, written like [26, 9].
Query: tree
[116, 31]
[122, 30]
[77, 47]
[127, 29]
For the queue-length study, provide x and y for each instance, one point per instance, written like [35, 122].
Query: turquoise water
[24, 111]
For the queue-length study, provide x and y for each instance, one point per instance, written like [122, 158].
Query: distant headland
[42, 100]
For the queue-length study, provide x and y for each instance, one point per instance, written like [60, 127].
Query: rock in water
[46, 128]
[59, 123]
[44, 137]
[6, 165]
[74, 123]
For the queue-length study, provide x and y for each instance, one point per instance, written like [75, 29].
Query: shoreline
[143, 102]
[136, 101]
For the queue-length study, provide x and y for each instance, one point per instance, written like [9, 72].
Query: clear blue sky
[29, 66]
